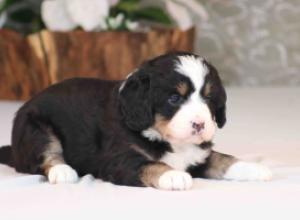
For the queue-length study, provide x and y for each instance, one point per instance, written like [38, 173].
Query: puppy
[153, 129]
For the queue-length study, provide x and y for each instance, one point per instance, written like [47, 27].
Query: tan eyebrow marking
[207, 89]
[182, 88]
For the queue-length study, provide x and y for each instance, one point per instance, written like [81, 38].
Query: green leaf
[127, 6]
[24, 15]
[153, 14]
[25, 19]
[131, 1]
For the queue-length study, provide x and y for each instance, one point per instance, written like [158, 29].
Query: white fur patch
[243, 171]
[175, 180]
[184, 156]
[194, 68]
[62, 173]
[195, 109]
[152, 134]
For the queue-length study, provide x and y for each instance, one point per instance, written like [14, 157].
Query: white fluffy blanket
[263, 126]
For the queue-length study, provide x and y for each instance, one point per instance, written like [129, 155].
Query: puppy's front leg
[135, 169]
[222, 166]
[162, 176]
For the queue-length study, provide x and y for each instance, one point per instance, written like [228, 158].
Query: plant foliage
[22, 16]
[25, 16]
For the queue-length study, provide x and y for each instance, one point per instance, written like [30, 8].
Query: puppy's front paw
[175, 180]
[62, 173]
[243, 171]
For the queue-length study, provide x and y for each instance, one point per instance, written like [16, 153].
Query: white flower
[65, 15]
[113, 2]
[102, 25]
[115, 23]
[3, 18]
[131, 25]
[180, 14]
[55, 16]
[88, 14]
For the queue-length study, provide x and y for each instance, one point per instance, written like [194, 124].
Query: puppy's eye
[175, 99]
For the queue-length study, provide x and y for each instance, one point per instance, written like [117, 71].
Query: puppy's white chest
[184, 156]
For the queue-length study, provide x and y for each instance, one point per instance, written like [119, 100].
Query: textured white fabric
[263, 126]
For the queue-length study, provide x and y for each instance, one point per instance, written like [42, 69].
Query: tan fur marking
[53, 154]
[50, 162]
[151, 173]
[182, 88]
[218, 164]
[161, 125]
[207, 89]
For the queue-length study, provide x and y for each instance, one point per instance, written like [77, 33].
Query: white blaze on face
[194, 110]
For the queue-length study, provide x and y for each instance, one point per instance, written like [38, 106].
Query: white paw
[175, 180]
[62, 173]
[243, 171]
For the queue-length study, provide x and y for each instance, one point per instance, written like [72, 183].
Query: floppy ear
[220, 95]
[221, 106]
[221, 116]
[135, 102]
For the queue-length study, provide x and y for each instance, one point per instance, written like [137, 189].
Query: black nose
[198, 126]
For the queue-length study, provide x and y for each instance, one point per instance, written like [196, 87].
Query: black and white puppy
[153, 129]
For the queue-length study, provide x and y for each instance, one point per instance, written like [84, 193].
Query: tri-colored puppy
[153, 129]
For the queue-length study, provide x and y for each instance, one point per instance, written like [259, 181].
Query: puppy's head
[178, 98]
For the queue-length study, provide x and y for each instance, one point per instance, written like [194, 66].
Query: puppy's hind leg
[36, 149]
[54, 165]
[222, 166]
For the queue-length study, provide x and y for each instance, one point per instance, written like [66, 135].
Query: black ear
[221, 105]
[135, 102]
[221, 116]
[219, 94]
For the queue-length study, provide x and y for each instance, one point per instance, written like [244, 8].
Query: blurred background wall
[252, 42]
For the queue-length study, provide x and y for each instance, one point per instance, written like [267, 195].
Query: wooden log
[108, 55]
[21, 73]
[27, 65]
